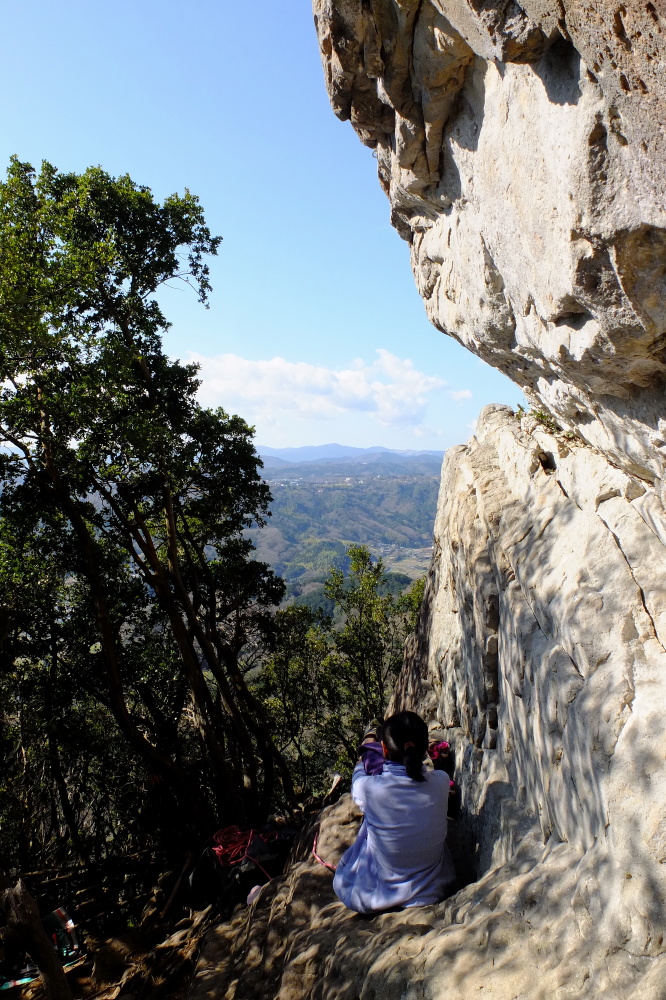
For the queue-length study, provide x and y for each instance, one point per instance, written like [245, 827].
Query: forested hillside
[319, 508]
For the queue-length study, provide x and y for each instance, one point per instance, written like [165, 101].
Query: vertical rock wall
[542, 650]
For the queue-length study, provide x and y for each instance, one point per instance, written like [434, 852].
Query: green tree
[290, 685]
[69, 783]
[143, 495]
[328, 676]
[370, 642]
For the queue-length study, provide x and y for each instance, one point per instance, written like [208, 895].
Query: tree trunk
[54, 757]
[22, 916]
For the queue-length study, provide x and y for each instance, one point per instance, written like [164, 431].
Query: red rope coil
[231, 846]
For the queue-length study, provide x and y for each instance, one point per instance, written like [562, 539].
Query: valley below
[386, 501]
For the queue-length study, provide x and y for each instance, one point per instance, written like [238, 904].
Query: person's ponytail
[414, 764]
[406, 737]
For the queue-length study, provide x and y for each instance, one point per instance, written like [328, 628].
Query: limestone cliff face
[542, 650]
[523, 151]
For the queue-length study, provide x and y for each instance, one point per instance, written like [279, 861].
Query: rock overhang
[522, 152]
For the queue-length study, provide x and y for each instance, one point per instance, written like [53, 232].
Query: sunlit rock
[523, 154]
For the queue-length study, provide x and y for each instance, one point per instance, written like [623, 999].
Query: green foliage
[316, 600]
[67, 788]
[410, 604]
[327, 676]
[545, 419]
[394, 583]
[291, 685]
[369, 643]
[314, 558]
[132, 613]
[128, 498]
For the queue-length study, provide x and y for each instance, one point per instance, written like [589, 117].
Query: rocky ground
[526, 929]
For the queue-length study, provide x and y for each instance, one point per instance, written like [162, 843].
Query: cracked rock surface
[541, 648]
[523, 152]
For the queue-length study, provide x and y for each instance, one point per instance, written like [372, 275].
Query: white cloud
[390, 390]
[459, 394]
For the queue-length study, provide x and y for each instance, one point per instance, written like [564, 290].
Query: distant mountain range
[326, 452]
[368, 465]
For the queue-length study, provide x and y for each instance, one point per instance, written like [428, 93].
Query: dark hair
[407, 728]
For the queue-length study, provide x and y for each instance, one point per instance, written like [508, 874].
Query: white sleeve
[359, 782]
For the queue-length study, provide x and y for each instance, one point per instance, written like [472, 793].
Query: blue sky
[315, 332]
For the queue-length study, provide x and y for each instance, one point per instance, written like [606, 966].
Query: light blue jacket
[399, 857]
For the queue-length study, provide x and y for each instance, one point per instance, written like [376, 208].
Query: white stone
[523, 152]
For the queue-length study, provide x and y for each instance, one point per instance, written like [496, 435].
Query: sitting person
[399, 857]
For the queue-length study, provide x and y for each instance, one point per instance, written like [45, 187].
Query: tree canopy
[125, 493]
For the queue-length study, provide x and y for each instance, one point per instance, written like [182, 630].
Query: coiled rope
[231, 846]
